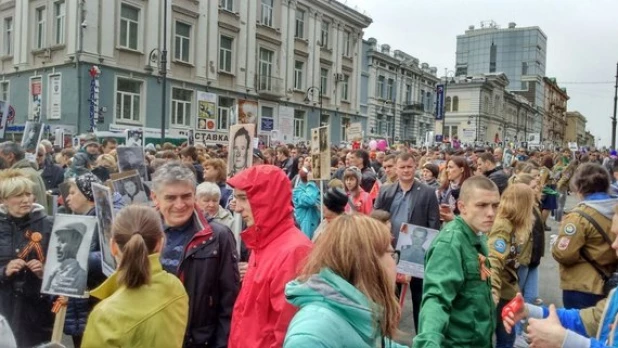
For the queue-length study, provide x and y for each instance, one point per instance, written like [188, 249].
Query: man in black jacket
[52, 174]
[487, 165]
[409, 202]
[201, 253]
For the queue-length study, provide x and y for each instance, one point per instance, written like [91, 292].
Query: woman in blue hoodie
[346, 292]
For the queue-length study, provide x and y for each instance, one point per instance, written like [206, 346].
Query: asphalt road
[549, 280]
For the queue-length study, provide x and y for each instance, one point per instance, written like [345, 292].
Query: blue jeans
[562, 196]
[529, 282]
[503, 339]
[579, 300]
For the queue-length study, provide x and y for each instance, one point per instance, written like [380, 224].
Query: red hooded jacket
[278, 251]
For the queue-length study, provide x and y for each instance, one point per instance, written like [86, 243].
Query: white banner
[55, 97]
[286, 123]
[36, 98]
[355, 131]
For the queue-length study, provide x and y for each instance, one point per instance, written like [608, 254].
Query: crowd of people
[315, 265]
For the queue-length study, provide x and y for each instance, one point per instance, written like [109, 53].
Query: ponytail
[134, 268]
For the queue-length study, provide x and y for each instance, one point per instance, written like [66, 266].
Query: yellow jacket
[577, 234]
[153, 315]
[505, 254]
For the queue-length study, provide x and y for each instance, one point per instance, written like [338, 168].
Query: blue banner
[439, 102]
[267, 124]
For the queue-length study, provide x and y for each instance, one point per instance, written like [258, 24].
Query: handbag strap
[584, 253]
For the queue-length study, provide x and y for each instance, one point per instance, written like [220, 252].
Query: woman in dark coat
[24, 236]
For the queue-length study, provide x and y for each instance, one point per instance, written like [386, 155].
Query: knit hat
[335, 200]
[356, 172]
[432, 168]
[84, 184]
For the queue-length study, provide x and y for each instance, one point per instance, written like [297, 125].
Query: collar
[599, 196]
[180, 228]
[110, 285]
[468, 232]
[400, 189]
[491, 171]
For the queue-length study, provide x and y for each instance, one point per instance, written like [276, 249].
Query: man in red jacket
[261, 314]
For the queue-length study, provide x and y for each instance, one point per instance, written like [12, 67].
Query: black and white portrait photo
[33, 131]
[132, 158]
[135, 137]
[66, 269]
[412, 243]
[105, 217]
[324, 139]
[240, 148]
[131, 188]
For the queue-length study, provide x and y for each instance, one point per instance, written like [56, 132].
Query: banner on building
[534, 139]
[94, 72]
[286, 123]
[4, 109]
[247, 112]
[468, 134]
[59, 137]
[55, 97]
[355, 131]
[36, 98]
[207, 111]
[439, 102]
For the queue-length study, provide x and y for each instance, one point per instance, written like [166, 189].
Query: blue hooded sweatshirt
[333, 313]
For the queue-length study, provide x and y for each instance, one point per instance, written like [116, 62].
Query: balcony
[269, 86]
[413, 108]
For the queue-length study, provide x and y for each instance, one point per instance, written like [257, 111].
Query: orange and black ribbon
[485, 271]
[33, 244]
[60, 302]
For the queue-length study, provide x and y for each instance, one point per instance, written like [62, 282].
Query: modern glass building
[520, 53]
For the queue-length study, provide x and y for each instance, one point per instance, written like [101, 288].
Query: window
[267, 114]
[300, 24]
[59, 15]
[267, 13]
[524, 68]
[324, 81]
[40, 31]
[380, 125]
[266, 68]
[227, 5]
[182, 43]
[5, 91]
[408, 94]
[8, 36]
[225, 53]
[344, 87]
[389, 89]
[450, 131]
[128, 99]
[380, 87]
[299, 124]
[455, 103]
[324, 120]
[298, 74]
[129, 25]
[324, 34]
[346, 43]
[447, 104]
[181, 107]
[223, 113]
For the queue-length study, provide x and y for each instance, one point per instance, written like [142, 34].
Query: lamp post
[163, 73]
[310, 91]
[613, 144]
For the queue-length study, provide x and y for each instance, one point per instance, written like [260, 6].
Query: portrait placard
[131, 187]
[412, 243]
[132, 158]
[135, 137]
[104, 208]
[240, 148]
[66, 269]
[33, 131]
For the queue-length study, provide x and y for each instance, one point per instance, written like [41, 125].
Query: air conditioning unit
[338, 77]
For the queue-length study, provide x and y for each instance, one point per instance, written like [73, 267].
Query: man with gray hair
[202, 254]
[15, 156]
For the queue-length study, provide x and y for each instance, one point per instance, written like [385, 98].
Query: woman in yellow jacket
[507, 241]
[142, 305]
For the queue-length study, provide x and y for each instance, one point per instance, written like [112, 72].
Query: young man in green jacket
[457, 308]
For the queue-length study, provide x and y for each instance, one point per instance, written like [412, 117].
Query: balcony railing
[414, 108]
[269, 85]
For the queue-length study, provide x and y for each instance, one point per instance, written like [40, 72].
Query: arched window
[455, 103]
[447, 104]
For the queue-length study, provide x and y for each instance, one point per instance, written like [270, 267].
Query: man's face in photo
[419, 236]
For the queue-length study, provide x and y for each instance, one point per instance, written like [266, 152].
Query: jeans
[561, 203]
[579, 300]
[529, 282]
[503, 339]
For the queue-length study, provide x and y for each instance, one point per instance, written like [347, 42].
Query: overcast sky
[582, 40]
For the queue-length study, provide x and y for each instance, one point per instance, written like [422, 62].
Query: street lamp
[310, 91]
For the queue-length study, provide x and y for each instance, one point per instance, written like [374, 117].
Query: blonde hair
[351, 247]
[14, 183]
[336, 183]
[516, 206]
[110, 161]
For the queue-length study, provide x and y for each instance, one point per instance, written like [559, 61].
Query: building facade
[262, 54]
[575, 128]
[400, 94]
[519, 53]
[481, 109]
[554, 120]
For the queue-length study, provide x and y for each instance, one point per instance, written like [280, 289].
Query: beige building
[575, 128]
[554, 120]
